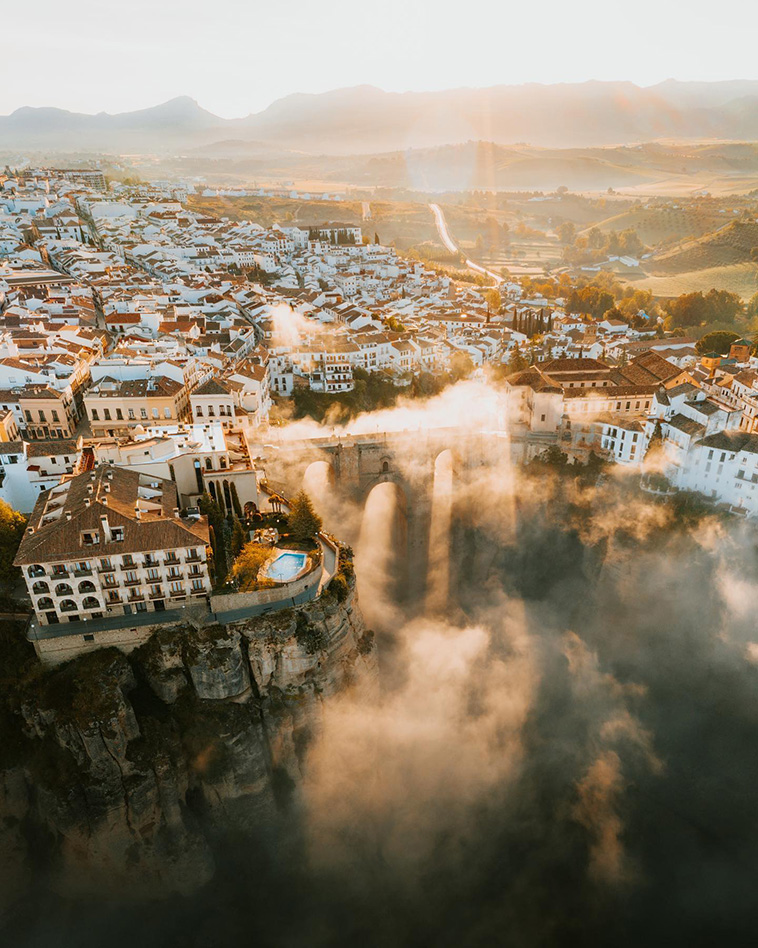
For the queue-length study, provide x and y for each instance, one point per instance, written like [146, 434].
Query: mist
[562, 750]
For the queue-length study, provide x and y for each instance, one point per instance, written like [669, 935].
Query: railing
[133, 582]
[106, 569]
[82, 572]
[158, 595]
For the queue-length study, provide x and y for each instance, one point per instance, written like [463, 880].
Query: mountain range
[364, 119]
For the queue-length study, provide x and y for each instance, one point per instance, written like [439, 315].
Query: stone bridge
[356, 464]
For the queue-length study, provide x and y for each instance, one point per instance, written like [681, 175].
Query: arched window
[385, 465]
[209, 464]
[87, 586]
[39, 587]
[90, 603]
[63, 589]
[68, 605]
[36, 570]
[212, 490]
[222, 462]
[45, 603]
[227, 496]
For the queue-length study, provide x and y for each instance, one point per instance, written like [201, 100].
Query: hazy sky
[237, 56]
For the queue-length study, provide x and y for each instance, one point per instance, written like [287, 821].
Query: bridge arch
[382, 551]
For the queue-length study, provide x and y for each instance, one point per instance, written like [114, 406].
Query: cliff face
[118, 772]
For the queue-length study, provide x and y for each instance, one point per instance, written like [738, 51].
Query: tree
[718, 341]
[494, 301]
[236, 505]
[248, 563]
[238, 538]
[696, 309]
[461, 366]
[218, 533]
[566, 232]
[517, 362]
[12, 526]
[303, 521]
[752, 306]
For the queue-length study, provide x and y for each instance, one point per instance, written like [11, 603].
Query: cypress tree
[238, 538]
[235, 500]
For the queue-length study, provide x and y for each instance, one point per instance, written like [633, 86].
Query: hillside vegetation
[734, 244]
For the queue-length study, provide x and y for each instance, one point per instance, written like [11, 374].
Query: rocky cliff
[118, 773]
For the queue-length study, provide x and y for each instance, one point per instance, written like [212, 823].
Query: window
[156, 413]
[208, 464]
[211, 411]
[89, 538]
[152, 574]
[166, 412]
[55, 416]
[117, 534]
[197, 584]
[143, 413]
[119, 414]
[199, 411]
[131, 414]
[106, 414]
[42, 416]
[94, 414]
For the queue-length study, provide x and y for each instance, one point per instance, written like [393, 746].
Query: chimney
[176, 511]
[106, 528]
[137, 513]
[107, 488]
[68, 515]
[87, 501]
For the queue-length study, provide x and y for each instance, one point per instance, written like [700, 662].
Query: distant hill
[735, 243]
[366, 120]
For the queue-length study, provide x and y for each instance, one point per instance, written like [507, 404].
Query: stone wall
[274, 596]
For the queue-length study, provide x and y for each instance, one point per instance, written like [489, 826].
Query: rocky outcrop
[131, 767]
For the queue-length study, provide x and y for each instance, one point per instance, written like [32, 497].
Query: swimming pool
[286, 567]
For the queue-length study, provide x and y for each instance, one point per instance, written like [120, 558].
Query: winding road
[451, 245]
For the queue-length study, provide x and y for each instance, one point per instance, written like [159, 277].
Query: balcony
[178, 594]
[128, 566]
[82, 572]
[58, 574]
[151, 561]
[106, 569]
[158, 595]
[136, 595]
[175, 575]
[171, 560]
[133, 582]
[194, 558]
